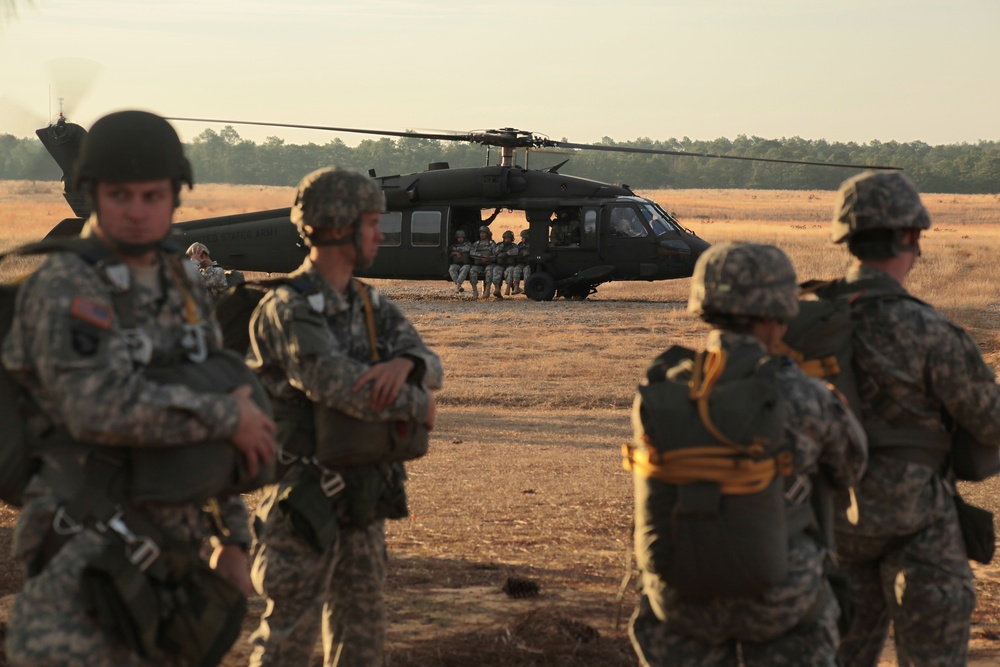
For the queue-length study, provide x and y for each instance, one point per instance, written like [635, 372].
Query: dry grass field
[524, 476]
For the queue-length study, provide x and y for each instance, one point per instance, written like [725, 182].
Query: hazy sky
[844, 70]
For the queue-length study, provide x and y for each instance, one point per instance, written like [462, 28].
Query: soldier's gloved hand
[387, 378]
[230, 561]
[254, 436]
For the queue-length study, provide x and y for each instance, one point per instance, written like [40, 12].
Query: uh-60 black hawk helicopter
[582, 232]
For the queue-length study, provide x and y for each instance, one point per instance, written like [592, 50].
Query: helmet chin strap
[354, 238]
[130, 249]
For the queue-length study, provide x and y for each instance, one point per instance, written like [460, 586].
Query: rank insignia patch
[91, 312]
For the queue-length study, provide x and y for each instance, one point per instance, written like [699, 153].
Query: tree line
[226, 157]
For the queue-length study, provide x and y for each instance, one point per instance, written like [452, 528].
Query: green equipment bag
[342, 440]
[312, 513]
[233, 311]
[710, 464]
[176, 606]
[196, 472]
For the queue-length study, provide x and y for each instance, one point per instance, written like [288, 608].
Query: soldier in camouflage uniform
[522, 269]
[311, 346]
[82, 355]
[461, 261]
[482, 261]
[905, 558]
[747, 293]
[213, 275]
[505, 254]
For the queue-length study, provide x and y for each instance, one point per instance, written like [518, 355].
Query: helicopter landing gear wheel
[540, 286]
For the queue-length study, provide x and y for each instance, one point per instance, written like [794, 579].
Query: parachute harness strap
[195, 340]
[737, 469]
[823, 367]
[366, 300]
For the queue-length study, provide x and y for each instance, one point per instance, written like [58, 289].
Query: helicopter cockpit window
[625, 223]
[391, 226]
[425, 228]
[659, 220]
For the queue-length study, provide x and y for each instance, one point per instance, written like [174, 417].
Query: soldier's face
[371, 236]
[135, 213]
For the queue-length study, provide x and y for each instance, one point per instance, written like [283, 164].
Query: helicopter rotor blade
[657, 151]
[71, 80]
[354, 130]
[509, 138]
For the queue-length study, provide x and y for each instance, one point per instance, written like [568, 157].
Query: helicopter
[581, 232]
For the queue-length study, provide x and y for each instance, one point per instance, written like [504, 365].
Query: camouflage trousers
[339, 593]
[522, 271]
[458, 273]
[809, 644]
[478, 270]
[921, 583]
[50, 625]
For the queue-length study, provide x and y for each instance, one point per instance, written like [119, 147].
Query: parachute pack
[21, 417]
[716, 497]
[819, 339]
[16, 411]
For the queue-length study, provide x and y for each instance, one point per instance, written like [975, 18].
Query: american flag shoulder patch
[91, 312]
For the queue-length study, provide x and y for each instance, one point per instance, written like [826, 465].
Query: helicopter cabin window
[588, 234]
[391, 226]
[625, 223]
[425, 228]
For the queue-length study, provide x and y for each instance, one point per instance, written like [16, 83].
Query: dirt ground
[523, 488]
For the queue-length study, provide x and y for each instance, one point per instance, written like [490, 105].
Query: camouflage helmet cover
[744, 280]
[460, 234]
[508, 235]
[334, 198]
[877, 200]
[485, 228]
[131, 146]
[524, 233]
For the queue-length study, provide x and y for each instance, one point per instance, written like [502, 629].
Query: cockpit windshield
[658, 219]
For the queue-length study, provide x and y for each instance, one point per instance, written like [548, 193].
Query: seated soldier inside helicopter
[566, 227]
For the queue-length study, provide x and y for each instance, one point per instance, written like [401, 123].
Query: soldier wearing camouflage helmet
[482, 261]
[522, 269]
[213, 275]
[747, 293]
[325, 345]
[461, 261]
[103, 335]
[505, 256]
[905, 558]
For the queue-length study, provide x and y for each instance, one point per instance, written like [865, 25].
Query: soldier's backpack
[21, 417]
[713, 475]
[819, 339]
[17, 412]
